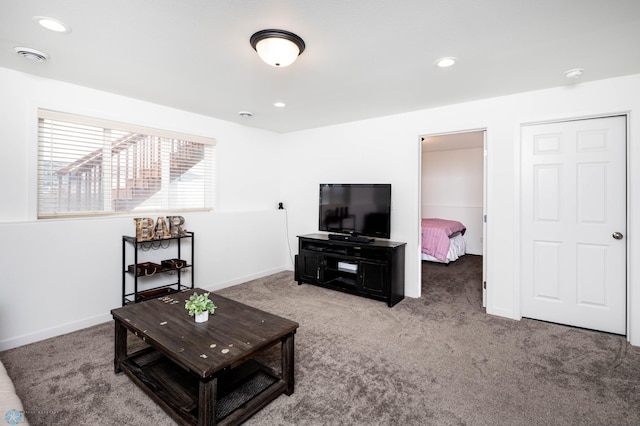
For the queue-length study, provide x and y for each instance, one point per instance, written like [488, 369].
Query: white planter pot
[202, 317]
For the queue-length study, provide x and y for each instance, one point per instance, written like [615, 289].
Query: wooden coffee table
[205, 373]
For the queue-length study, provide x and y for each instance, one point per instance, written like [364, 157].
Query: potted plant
[200, 305]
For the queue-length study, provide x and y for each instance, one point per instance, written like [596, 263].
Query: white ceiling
[364, 58]
[452, 141]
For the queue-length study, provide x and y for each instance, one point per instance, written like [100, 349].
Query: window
[89, 166]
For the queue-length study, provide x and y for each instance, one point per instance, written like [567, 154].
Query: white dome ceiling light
[31, 54]
[277, 48]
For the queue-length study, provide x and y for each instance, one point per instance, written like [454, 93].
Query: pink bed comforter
[435, 236]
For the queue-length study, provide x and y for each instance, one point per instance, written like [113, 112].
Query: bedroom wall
[57, 276]
[452, 189]
[387, 149]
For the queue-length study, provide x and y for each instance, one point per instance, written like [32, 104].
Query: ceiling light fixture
[52, 24]
[574, 73]
[31, 54]
[446, 62]
[279, 104]
[277, 48]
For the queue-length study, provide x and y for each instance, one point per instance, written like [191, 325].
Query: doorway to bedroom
[452, 204]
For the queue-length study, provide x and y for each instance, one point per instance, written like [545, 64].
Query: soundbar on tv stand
[351, 238]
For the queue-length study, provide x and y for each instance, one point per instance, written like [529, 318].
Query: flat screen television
[356, 209]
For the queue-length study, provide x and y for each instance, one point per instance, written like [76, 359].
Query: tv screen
[356, 209]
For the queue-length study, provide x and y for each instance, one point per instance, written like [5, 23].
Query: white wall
[387, 149]
[60, 275]
[68, 272]
[452, 189]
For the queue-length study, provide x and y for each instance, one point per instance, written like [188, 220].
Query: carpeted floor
[436, 360]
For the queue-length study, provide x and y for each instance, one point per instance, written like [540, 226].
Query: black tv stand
[374, 269]
[351, 238]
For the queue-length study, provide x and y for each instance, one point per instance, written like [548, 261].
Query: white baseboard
[54, 331]
[244, 279]
[99, 319]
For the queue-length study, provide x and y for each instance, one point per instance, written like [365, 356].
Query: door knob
[617, 235]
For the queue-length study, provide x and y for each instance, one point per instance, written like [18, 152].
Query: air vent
[31, 54]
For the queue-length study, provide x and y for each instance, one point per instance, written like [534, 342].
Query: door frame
[485, 237]
[518, 211]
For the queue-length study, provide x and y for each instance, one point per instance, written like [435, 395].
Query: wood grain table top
[231, 335]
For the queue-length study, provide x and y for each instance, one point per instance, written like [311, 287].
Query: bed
[442, 240]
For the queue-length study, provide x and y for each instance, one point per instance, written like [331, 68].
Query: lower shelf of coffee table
[241, 391]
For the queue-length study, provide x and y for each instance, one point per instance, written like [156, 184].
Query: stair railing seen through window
[88, 166]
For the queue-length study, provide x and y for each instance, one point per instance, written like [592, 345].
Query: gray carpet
[435, 360]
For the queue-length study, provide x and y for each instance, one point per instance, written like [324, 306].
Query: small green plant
[197, 304]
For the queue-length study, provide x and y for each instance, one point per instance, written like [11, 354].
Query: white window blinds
[88, 166]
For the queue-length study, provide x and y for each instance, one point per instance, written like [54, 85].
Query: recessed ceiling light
[31, 54]
[52, 24]
[574, 73]
[245, 114]
[446, 62]
[279, 104]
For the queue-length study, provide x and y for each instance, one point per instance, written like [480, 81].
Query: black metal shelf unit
[147, 280]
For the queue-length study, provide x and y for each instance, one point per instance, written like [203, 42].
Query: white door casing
[484, 218]
[573, 200]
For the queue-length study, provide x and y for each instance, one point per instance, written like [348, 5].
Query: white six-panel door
[573, 223]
